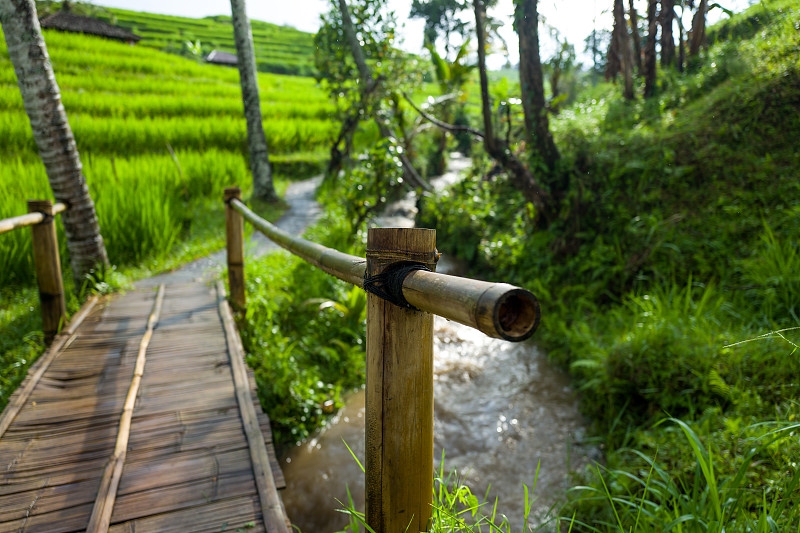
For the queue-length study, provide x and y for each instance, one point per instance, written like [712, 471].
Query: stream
[501, 411]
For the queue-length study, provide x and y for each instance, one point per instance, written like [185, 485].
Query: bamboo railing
[399, 392]
[46, 260]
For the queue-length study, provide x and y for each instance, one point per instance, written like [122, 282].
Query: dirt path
[303, 211]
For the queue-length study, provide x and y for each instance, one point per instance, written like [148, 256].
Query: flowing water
[501, 411]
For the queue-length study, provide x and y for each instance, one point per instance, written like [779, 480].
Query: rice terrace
[426, 265]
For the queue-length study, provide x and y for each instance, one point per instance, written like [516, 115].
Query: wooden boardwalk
[195, 459]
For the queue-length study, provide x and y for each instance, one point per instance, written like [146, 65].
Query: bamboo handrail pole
[48, 269]
[30, 219]
[499, 310]
[399, 393]
[234, 241]
[100, 519]
[346, 267]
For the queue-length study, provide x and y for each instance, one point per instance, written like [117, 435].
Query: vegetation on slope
[279, 49]
[160, 136]
[678, 238]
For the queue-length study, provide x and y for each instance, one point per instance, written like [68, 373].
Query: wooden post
[234, 226]
[48, 269]
[399, 395]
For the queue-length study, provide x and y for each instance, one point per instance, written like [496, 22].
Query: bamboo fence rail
[499, 310]
[399, 388]
[40, 218]
[9, 224]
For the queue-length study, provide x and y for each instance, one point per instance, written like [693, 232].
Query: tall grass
[656, 498]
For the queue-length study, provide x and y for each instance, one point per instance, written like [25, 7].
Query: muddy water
[501, 410]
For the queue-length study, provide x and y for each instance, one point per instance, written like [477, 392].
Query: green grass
[304, 335]
[278, 49]
[678, 238]
[128, 107]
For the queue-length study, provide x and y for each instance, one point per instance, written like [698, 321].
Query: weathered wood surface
[188, 464]
[9, 224]
[497, 309]
[399, 394]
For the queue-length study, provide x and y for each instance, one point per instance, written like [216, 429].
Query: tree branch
[444, 125]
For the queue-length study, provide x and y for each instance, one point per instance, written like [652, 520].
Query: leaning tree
[263, 188]
[53, 136]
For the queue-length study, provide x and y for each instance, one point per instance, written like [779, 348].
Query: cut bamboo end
[508, 312]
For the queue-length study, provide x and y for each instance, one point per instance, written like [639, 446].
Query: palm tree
[256, 140]
[53, 136]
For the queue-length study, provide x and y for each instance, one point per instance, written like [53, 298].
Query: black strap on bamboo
[389, 283]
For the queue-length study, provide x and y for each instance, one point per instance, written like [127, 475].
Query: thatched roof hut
[218, 57]
[66, 21]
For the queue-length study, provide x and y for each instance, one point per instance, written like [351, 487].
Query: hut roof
[219, 57]
[66, 21]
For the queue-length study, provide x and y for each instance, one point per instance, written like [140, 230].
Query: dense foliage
[679, 238]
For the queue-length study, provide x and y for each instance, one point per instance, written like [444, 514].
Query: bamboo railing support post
[399, 393]
[48, 269]
[234, 226]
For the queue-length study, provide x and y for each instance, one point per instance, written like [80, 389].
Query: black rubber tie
[389, 283]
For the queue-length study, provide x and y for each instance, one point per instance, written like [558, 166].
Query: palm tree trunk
[53, 136]
[256, 140]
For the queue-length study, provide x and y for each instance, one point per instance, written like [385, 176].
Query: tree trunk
[531, 82]
[263, 188]
[613, 56]
[650, 49]
[698, 37]
[521, 177]
[369, 85]
[667, 40]
[636, 37]
[620, 51]
[681, 45]
[486, 105]
[53, 136]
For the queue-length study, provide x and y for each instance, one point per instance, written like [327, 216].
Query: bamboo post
[399, 394]
[234, 226]
[48, 269]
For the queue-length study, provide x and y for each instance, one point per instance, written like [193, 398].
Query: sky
[574, 19]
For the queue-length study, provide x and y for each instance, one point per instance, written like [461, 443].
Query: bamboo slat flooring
[188, 465]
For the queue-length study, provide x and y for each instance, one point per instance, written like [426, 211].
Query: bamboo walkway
[189, 453]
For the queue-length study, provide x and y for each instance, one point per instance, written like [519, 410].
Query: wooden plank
[107, 493]
[399, 393]
[271, 506]
[35, 373]
[188, 463]
[230, 514]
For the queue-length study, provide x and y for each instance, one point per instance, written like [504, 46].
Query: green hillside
[128, 107]
[679, 238]
[279, 49]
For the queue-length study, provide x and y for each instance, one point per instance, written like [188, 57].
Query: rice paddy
[279, 49]
[129, 106]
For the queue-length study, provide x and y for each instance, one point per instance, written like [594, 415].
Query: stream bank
[501, 411]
